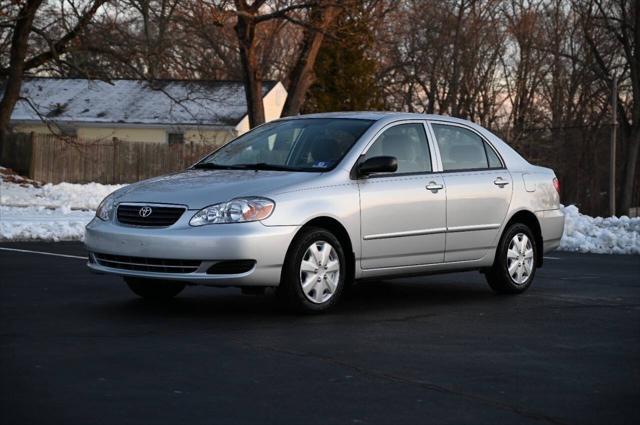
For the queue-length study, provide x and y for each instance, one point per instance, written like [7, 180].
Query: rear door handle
[434, 187]
[500, 182]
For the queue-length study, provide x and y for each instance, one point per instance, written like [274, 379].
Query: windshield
[311, 144]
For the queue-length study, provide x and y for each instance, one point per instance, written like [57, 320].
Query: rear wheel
[154, 289]
[314, 272]
[515, 264]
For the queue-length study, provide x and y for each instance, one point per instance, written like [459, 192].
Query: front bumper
[267, 245]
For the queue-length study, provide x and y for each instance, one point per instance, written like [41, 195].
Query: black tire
[498, 277]
[154, 289]
[290, 292]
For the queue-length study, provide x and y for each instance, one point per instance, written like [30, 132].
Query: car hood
[200, 188]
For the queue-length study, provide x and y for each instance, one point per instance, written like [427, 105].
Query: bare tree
[19, 46]
[302, 75]
[245, 28]
[20, 61]
[525, 70]
[446, 59]
[612, 32]
[248, 18]
[153, 37]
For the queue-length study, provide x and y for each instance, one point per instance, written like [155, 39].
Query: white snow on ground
[74, 196]
[52, 212]
[611, 235]
[60, 212]
[40, 223]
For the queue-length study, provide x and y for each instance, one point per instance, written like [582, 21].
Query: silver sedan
[309, 204]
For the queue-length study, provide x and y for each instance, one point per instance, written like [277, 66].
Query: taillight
[556, 184]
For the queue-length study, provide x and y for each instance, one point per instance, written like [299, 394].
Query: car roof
[379, 115]
[363, 115]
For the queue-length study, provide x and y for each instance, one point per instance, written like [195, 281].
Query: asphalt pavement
[79, 348]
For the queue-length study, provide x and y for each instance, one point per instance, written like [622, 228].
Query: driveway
[79, 348]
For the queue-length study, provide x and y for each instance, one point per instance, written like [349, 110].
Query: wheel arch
[340, 232]
[529, 219]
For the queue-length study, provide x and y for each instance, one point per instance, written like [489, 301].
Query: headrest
[325, 149]
[465, 154]
[399, 146]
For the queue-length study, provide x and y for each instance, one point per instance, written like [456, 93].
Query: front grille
[232, 267]
[135, 215]
[159, 265]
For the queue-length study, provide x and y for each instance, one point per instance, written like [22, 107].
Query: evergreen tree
[346, 75]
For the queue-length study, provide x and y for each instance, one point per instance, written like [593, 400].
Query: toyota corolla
[309, 204]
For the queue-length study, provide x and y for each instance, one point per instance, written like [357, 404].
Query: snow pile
[40, 223]
[74, 196]
[611, 235]
[52, 212]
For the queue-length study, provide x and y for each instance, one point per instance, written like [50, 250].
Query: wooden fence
[53, 160]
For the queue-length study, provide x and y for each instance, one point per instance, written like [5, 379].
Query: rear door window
[462, 149]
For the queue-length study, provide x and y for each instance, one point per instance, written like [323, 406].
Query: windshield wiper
[265, 166]
[214, 166]
[256, 166]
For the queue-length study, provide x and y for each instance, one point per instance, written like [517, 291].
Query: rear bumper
[552, 226]
[265, 245]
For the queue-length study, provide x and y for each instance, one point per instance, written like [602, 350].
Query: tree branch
[62, 45]
[283, 13]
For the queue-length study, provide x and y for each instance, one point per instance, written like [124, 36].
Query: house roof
[139, 102]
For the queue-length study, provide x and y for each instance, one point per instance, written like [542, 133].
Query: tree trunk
[633, 149]
[452, 99]
[19, 46]
[632, 157]
[302, 75]
[246, 29]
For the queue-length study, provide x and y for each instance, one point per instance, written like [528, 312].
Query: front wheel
[515, 264]
[314, 272]
[154, 289]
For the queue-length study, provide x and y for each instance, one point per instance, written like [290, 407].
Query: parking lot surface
[79, 348]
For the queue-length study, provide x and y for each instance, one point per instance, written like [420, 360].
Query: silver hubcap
[520, 258]
[319, 272]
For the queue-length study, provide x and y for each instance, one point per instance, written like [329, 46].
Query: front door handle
[500, 182]
[434, 187]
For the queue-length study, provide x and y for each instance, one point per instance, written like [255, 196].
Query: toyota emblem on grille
[145, 212]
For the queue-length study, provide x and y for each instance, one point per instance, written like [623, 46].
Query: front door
[402, 213]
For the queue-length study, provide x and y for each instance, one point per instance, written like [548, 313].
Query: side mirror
[378, 164]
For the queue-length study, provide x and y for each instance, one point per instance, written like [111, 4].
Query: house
[167, 111]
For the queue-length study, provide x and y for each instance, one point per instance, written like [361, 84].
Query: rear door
[402, 213]
[479, 190]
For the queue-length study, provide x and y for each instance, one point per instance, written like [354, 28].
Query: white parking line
[552, 258]
[26, 251]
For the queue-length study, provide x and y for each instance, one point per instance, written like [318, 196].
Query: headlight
[235, 211]
[105, 208]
